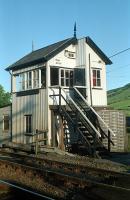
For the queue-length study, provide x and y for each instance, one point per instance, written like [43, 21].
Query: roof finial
[75, 30]
[32, 46]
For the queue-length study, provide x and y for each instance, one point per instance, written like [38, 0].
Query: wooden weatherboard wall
[34, 105]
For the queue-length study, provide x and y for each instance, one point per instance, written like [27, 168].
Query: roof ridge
[60, 45]
[52, 44]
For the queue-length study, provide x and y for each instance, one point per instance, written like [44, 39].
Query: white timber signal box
[55, 90]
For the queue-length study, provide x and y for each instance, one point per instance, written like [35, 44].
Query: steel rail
[25, 190]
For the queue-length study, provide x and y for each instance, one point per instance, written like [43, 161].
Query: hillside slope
[120, 99]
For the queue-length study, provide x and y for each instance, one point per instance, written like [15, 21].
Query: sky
[45, 22]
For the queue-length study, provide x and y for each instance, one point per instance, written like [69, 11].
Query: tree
[5, 97]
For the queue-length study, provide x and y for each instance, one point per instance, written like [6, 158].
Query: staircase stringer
[67, 116]
[98, 116]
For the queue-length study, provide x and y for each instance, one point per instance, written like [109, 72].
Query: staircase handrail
[81, 112]
[99, 117]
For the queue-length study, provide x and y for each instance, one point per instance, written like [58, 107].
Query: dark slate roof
[41, 55]
[46, 53]
[98, 51]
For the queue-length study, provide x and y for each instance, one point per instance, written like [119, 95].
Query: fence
[116, 120]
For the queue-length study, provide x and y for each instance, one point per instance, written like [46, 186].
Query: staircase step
[82, 129]
[73, 120]
[85, 132]
[89, 136]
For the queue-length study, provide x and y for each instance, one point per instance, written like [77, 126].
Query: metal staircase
[84, 129]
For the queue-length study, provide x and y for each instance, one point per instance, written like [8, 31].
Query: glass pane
[54, 76]
[62, 81]
[28, 123]
[23, 82]
[29, 80]
[43, 78]
[30, 75]
[94, 73]
[71, 82]
[98, 82]
[71, 74]
[18, 83]
[98, 73]
[6, 122]
[62, 73]
[36, 78]
[71, 78]
[79, 77]
[67, 82]
[67, 74]
[94, 81]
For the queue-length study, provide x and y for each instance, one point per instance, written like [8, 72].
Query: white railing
[84, 116]
[99, 117]
[66, 95]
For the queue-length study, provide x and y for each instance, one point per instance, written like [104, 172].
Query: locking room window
[5, 122]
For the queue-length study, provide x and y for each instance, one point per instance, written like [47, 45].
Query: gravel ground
[86, 161]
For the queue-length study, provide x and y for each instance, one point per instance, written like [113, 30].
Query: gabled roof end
[98, 51]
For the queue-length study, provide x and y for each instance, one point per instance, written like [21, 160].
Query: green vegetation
[120, 99]
[5, 97]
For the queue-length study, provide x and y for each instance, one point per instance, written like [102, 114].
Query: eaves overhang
[41, 55]
[98, 51]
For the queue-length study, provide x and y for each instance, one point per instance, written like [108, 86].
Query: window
[79, 76]
[63, 77]
[96, 77]
[28, 124]
[69, 54]
[22, 82]
[35, 78]
[54, 76]
[6, 122]
[27, 80]
[66, 77]
[43, 77]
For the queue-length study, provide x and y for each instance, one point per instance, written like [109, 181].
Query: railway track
[25, 191]
[106, 176]
[71, 180]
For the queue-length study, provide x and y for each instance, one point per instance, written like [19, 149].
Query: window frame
[54, 81]
[64, 78]
[70, 54]
[96, 78]
[35, 79]
[28, 80]
[7, 122]
[28, 124]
